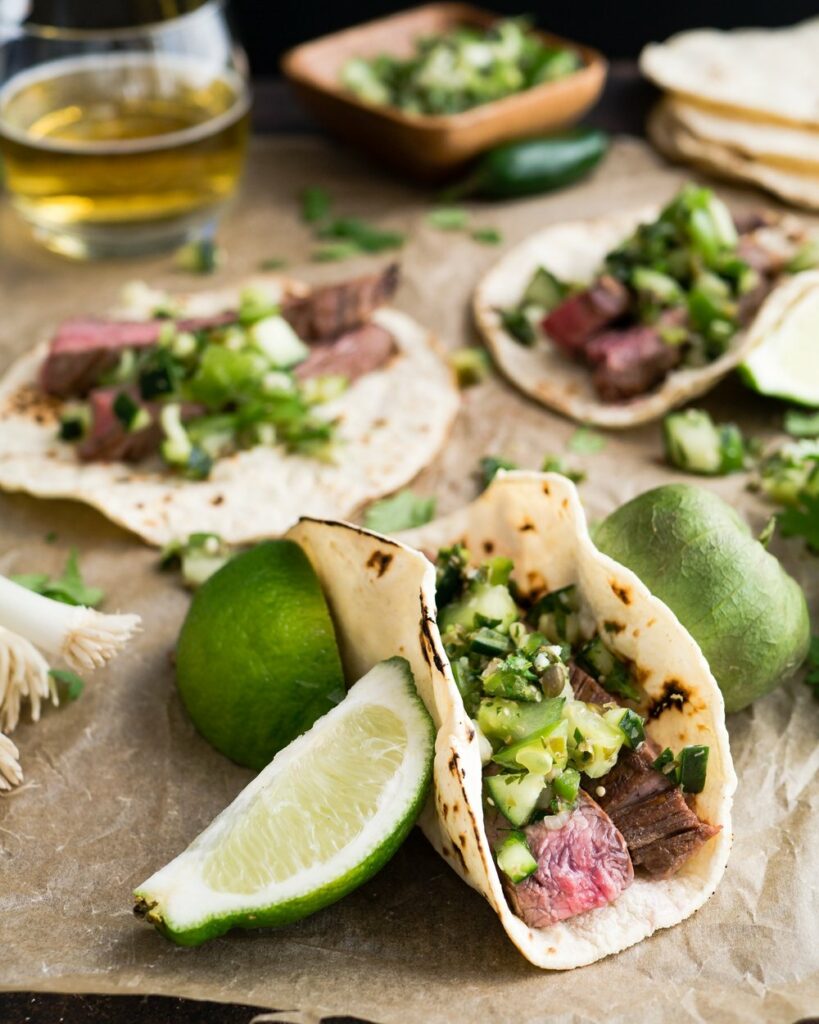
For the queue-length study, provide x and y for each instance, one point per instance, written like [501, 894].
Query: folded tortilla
[574, 251]
[675, 137]
[393, 423]
[381, 593]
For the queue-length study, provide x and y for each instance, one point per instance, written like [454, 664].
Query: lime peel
[268, 860]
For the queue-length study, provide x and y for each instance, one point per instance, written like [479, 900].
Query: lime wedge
[322, 818]
[785, 364]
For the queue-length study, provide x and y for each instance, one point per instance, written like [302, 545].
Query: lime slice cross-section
[321, 819]
[785, 362]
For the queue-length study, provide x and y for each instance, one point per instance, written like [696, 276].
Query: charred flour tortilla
[393, 422]
[536, 520]
[574, 251]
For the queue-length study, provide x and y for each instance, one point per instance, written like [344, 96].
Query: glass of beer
[122, 132]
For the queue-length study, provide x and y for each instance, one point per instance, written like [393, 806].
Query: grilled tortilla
[393, 422]
[574, 251]
[536, 520]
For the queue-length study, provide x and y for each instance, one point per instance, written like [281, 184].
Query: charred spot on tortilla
[445, 809]
[546, 490]
[217, 499]
[621, 592]
[674, 695]
[380, 561]
[457, 850]
[526, 526]
[462, 839]
[488, 547]
[28, 400]
[611, 626]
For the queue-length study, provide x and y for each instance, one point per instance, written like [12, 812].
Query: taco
[615, 321]
[230, 412]
[583, 780]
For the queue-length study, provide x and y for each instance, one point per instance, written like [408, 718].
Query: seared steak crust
[336, 309]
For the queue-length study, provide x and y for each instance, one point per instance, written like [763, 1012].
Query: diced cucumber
[596, 658]
[278, 341]
[515, 858]
[692, 441]
[492, 602]
[544, 290]
[490, 642]
[541, 752]
[506, 721]
[515, 796]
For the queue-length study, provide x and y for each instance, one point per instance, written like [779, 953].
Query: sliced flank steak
[651, 812]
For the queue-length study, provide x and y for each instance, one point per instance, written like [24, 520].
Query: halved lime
[785, 364]
[257, 661]
[322, 818]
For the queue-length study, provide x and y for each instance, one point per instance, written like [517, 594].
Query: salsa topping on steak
[194, 389]
[671, 295]
[577, 797]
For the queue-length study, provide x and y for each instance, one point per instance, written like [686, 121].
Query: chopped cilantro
[315, 204]
[448, 218]
[799, 423]
[490, 465]
[72, 684]
[487, 236]
[68, 588]
[401, 511]
[359, 233]
[803, 520]
[586, 442]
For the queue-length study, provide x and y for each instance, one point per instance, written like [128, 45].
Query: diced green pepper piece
[630, 724]
[693, 765]
[514, 857]
[490, 642]
[539, 753]
[658, 286]
[566, 785]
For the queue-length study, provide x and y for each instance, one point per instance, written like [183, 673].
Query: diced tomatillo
[515, 796]
[506, 721]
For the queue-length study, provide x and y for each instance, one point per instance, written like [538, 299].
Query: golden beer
[132, 146]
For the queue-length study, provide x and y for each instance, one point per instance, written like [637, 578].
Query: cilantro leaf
[812, 678]
[802, 520]
[70, 588]
[487, 236]
[72, 683]
[315, 204]
[402, 511]
[361, 234]
[586, 442]
[490, 465]
[802, 424]
[448, 218]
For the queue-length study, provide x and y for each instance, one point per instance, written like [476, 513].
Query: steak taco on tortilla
[229, 412]
[615, 321]
[583, 780]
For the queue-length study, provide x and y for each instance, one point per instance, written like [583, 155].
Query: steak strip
[336, 309]
[580, 317]
[582, 861]
[352, 355]
[660, 828]
[109, 440]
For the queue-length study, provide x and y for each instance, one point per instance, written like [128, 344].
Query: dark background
[617, 27]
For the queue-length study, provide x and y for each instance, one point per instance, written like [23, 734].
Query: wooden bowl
[427, 146]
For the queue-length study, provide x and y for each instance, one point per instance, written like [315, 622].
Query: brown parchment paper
[118, 782]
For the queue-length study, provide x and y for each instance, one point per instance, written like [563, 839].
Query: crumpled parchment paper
[119, 781]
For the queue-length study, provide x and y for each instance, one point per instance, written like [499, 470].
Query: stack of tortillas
[743, 104]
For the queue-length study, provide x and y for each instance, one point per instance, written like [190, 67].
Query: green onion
[126, 409]
[665, 759]
[517, 324]
[632, 726]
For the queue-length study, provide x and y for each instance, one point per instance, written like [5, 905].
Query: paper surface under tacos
[573, 253]
[382, 597]
[392, 422]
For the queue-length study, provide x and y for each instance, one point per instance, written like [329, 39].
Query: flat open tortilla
[574, 251]
[381, 594]
[675, 139]
[393, 423]
[770, 74]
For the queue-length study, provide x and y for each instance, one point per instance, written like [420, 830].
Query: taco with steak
[232, 411]
[615, 321]
[583, 779]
